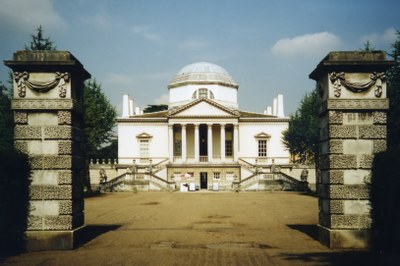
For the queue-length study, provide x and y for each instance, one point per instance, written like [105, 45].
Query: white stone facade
[203, 139]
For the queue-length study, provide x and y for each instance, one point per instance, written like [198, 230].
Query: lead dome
[202, 73]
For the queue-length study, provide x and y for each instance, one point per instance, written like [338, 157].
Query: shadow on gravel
[92, 231]
[337, 257]
[342, 258]
[309, 229]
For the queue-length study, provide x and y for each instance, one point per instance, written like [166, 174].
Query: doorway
[203, 140]
[203, 180]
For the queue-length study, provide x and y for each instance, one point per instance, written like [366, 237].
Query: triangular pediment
[144, 135]
[203, 107]
[262, 135]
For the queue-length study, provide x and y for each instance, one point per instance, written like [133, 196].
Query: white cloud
[163, 99]
[380, 39]
[194, 45]
[26, 15]
[146, 32]
[316, 44]
[102, 20]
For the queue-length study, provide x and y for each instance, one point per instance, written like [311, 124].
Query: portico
[196, 142]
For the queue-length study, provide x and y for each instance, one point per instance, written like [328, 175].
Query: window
[144, 148]
[217, 175]
[262, 148]
[228, 148]
[178, 148]
[203, 93]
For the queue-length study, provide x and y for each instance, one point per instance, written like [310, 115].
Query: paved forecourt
[197, 228]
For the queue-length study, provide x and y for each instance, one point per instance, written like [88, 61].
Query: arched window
[203, 93]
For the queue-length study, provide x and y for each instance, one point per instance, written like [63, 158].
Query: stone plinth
[352, 105]
[47, 104]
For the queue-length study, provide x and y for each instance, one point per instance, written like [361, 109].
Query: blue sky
[136, 47]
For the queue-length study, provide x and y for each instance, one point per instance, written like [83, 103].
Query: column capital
[209, 124]
[183, 125]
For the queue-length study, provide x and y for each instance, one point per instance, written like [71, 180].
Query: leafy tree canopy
[301, 138]
[40, 43]
[100, 117]
[151, 108]
[393, 92]
[6, 118]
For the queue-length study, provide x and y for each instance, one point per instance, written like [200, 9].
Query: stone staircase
[261, 181]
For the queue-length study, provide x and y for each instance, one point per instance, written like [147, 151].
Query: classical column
[196, 142]
[222, 142]
[352, 108]
[235, 142]
[183, 130]
[171, 142]
[209, 143]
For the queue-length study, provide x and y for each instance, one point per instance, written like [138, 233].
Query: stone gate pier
[352, 105]
[47, 104]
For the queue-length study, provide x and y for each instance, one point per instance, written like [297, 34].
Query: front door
[203, 140]
[203, 180]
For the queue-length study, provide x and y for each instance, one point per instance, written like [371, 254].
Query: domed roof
[202, 73]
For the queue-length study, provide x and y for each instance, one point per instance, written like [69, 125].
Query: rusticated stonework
[21, 146]
[379, 146]
[335, 117]
[352, 109]
[64, 177]
[27, 132]
[372, 132]
[365, 161]
[342, 132]
[350, 221]
[58, 132]
[380, 118]
[20, 117]
[336, 176]
[336, 146]
[64, 117]
[65, 147]
[48, 111]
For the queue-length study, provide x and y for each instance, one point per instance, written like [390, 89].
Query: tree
[99, 116]
[6, 116]
[39, 43]
[301, 138]
[152, 108]
[393, 92]
[368, 47]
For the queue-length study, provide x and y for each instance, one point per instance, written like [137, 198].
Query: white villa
[203, 140]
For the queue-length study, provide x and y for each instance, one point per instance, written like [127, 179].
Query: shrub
[385, 201]
[14, 200]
